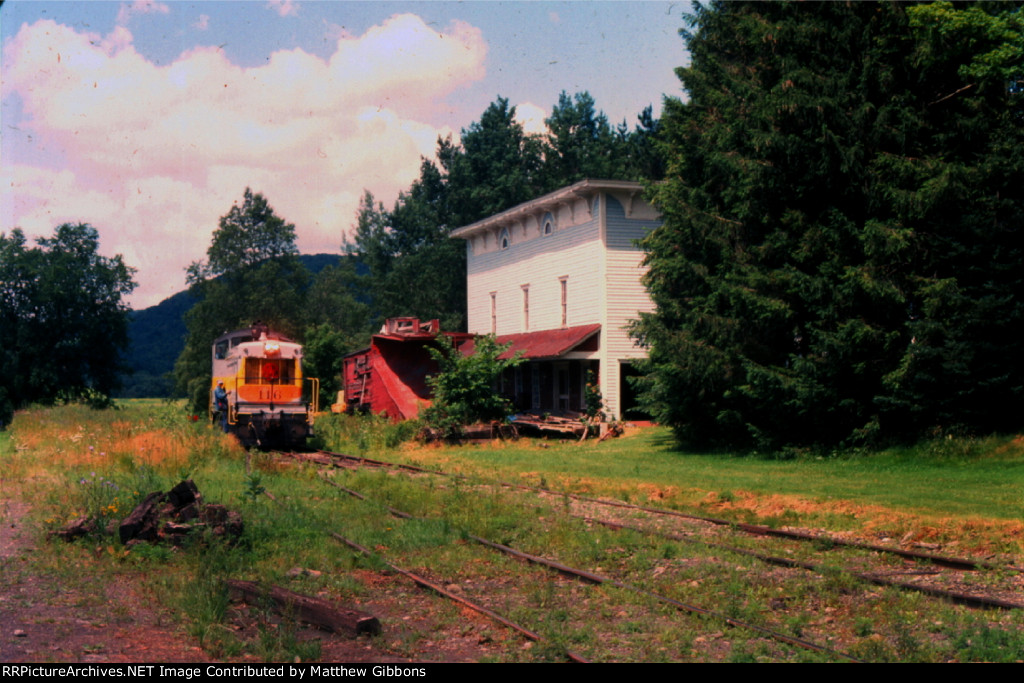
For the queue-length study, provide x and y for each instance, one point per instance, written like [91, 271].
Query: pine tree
[826, 181]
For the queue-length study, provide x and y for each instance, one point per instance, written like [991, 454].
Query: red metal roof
[543, 343]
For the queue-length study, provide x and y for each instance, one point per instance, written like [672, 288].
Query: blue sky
[149, 119]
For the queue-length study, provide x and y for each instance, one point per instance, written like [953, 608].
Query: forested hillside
[156, 335]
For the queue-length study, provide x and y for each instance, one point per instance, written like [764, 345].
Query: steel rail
[599, 579]
[754, 529]
[965, 599]
[415, 578]
[953, 596]
[429, 585]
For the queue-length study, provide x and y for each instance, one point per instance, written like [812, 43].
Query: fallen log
[309, 610]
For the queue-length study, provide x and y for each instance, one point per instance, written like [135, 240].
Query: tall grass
[62, 458]
[363, 434]
[948, 489]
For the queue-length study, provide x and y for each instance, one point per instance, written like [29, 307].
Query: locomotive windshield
[269, 371]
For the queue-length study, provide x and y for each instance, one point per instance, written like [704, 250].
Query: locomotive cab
[262, 375]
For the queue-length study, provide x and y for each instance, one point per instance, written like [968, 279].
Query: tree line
[840, 259]
[400, 262]
[63, 319]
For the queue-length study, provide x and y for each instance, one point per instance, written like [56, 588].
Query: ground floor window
[555, 387]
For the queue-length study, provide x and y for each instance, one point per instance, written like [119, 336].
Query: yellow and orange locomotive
[266, 401]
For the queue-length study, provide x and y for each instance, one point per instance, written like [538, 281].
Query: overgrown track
[430, 585]
[820, 538]
[594, 578]
[869, 558]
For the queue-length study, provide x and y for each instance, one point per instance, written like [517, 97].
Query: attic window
[548, 224]
[503, 240]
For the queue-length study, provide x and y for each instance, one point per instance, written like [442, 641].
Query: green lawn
[967, 479]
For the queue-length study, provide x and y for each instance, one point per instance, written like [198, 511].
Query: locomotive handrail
[232, 405]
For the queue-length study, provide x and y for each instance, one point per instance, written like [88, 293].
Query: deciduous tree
[247, 235]
[251, 273]
[63, 318]
[463, 388]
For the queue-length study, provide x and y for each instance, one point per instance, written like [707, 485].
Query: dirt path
[78, 618]
[46, 618]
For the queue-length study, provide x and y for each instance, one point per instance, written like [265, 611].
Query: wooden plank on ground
[310, 610]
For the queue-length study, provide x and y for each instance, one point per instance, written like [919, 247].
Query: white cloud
[285, 8]
[126, 11]
[532, 117]
[156, 154]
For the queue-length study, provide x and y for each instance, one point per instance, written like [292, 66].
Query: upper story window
[503, 239]
[595, 206]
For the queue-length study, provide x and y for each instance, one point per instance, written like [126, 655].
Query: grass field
[964, 496]
[954, 487]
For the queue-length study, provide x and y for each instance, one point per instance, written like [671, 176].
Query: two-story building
[559, 278]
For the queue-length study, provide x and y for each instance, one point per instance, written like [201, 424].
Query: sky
[148, 120]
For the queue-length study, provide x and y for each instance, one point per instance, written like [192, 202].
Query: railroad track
[820, 538]
[813, 558]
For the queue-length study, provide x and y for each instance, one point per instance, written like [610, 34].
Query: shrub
[464, 387]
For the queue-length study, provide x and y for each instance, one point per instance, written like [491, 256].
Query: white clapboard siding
[573, 252]
[592, 246]
[626, 295]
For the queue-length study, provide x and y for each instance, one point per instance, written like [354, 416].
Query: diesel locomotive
[269, 403]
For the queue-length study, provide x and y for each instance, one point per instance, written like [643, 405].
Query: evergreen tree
[496, 166]
[645, 159]
[416, 269]
[957, 186]
[581, 143]
[837, 210]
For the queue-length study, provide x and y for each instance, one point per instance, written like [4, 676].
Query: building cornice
[550, 201]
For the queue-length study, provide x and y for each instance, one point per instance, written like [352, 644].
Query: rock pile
[172, 516]
[166, 517]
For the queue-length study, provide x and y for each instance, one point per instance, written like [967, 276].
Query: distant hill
[158, 334]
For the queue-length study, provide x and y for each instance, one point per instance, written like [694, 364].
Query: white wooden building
[560, 278]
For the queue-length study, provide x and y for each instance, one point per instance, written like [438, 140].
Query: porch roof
[543, 344]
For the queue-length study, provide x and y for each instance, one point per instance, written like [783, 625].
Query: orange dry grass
[878, 521]
[81, 439]
[153, 448]
[654, 492]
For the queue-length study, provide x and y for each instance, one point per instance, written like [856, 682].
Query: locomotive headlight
[271, 349]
